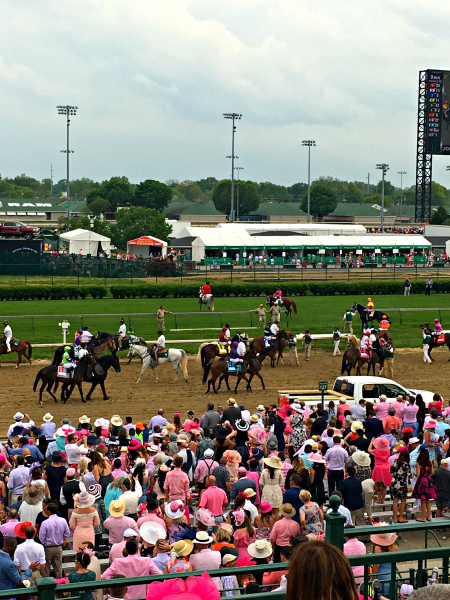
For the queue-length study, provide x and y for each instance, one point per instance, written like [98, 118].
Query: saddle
[14, 342]
[234, 368]
[223, 348]
[440, 338]
[268, 343]
[63, 373]
[163, 353]
[365, 353]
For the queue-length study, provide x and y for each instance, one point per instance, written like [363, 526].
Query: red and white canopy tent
[146, 244]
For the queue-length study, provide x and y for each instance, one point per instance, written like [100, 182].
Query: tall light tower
[68, 111]
[237, 195]
[234, 117]
[309, 143]
[401, 173]
[384, 169]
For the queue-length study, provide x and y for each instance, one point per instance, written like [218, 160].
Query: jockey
[78, 337]
[223, 338]
[122, 333]
[370, 305]
[364, 343]
[274, 329]
[278, 296]
[67, 361]
[268, 334]
[372, 338]
[86, 335]
[227, 332]
[384, 324]
[437, 326]
[8, 335]
[160, 345]
[206, 289]
[82, 351]
[238, 350]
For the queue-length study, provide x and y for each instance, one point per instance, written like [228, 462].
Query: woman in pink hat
[425, 488]
[430, 438]
[264, 521]
[381, 450]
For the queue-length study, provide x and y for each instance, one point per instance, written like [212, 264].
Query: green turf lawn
[319, 314]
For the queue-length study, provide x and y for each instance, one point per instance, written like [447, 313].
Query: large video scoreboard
[438, 112]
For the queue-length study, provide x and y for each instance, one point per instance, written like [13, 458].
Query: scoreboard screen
[438, 112]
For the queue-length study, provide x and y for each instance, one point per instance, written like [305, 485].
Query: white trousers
[336, 347]
[8, 343]
[426, 358]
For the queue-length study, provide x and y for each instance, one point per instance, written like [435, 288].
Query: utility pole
[234, 117]
[309, 143]
[384, 169]
[401, 173]
[237, 195]
[51, 181]
[368, 183]
[68, 111]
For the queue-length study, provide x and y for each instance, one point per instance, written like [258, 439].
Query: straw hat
[383, 539]
[250, 492]
[117, 508]
[287, 510]
[381, 443]
[34, 494]
[182, 548]
[273, 461]
[84, 419]
[233, 456]
[47, 417]
[357, 425]
[84, 499]
[202, 537]
[260, 548]
[151, 532]
[116, 421]
[174, 510]
[254, 418]
[361, 458]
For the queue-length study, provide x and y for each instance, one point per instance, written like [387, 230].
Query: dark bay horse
[288, 304]
[435, 339]
[95, 348]
[249, 365]
[21, 350]
[352, 358]
[281, 342]
[209, 350]
[49, 377]
[373, 315]
[100, 373]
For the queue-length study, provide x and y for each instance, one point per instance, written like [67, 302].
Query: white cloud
[152, 79]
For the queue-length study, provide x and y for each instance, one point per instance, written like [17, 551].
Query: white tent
[87, 242]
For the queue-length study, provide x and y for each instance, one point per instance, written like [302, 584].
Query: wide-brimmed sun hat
[116, 421]
[151, 532]
[175, 509]
[316, 458]
[381, 443]
[383, 539]
[116, 508]
[92, 440]
[361, 458]
[254, 418]
[242, 425]
[84, 419]
[430, 424]
[233, 456]
[134, 445]
[287, 510]
[19, 529]
[265, 507]
[95, 490]
[47, 417]
[202, 537]
[65, 430]
[205, 516]
[357, 425]
[273, 461]
[83, 499]
[260, 548]
[34, 494]
[182, 548]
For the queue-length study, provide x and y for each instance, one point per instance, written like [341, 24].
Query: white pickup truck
[371, 388]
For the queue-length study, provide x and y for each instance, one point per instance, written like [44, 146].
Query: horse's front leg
[144, 367]
[80, 389]
[19, 355]
[175, 366]
[155, 373]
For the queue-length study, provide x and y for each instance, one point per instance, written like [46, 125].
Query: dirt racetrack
[142, 400]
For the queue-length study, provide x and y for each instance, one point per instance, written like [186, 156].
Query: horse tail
[183, 363]
[295, 306]
[56, 359]
[212, 303]
[29, 348]
[38, 378]
[199, 353]
[206, 372]
[344, 363]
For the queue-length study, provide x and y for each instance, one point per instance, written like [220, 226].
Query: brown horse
[21, 350]
[49, 377]
[288, 304]
[209, 350]
[250, 365]
[280, 344]
[352, 358]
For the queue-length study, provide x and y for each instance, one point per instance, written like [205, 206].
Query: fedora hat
[260, 407]
[381, 443]
[208, 453]
[260, 548]
[116, 421]
[287, 510]
[47, 417]
[242, 425]
[202, 537]
[273, 461]
[151, 532]
[357, 425]
[84, 419]
[361, 458]
[19, 529]
[84, 499]
[95, 490]
[254, 418]
[174, 510]
[250, 492]
[182, 548]
[34, 494]
[19, 416]
[117, 507]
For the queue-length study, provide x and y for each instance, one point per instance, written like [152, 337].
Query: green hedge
[56, 292]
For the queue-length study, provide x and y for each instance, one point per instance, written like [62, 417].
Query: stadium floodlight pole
[234, 117]
[401, 173]
[309, 143]
[237, 195]
[68, 111]
[384, 169]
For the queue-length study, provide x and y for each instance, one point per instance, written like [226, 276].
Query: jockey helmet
[67, 348]
[207, 283]
[82, 343]
[159, 331]
[235, 344]
[369, 299]
[80, 331]
[122, 320]
[5, 322]
[384, 317]
[227, 324]
[224, 329]
[436, 321]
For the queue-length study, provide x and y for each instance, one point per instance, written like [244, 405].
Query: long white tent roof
[221, 238]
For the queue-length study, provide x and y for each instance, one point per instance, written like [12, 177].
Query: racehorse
[208, 301]
[177, 357]
[100, 372]
[352, 358]
[435, 339]
[250, 365]
[288, 304]
[96, 349]
[49, 377]
[21, 349]
[374, 315]
[282, 340]
[209, 350]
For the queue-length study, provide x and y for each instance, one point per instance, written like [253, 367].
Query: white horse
[208, 300]
[177, 357]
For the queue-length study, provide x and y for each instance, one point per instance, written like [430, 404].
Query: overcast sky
[151, 79]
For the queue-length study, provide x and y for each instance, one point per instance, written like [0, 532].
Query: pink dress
[382, 469]
[242, 542]
[255, 476]
[83, 526]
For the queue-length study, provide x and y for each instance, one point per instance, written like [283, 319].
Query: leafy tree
[71, 223]
[389, 189]
[82, 187]
[438, 194]
[102, 227]
[353, 194]
[189, 190]
[297, 190]
[118, 190]
[26, 181]
[136, 221]
[439, 216]
[98, 207]
[322, 200]
[376, 199]
[18, 191]
[248, 197]
[206, 184]
[271, 191]
[152, 194]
